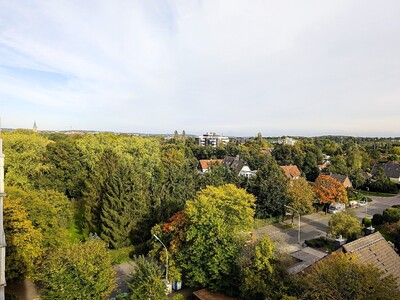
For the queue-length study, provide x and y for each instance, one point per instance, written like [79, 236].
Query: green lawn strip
[376, 194]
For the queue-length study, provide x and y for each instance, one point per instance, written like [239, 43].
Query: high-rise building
[2, 235]
[212, 139]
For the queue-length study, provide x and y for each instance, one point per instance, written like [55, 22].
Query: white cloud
[234, 66]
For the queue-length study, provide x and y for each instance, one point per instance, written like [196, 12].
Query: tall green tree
[24, 242]
[24, 151]
[65, 170]
[301, 196]
[121, 208]
[270, 189]
[262, 277]
[218, 220]
[173, 182]
[49, 211]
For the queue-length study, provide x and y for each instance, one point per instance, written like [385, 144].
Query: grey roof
[339, 177]
[307, 257]
[392, 169]
[374, 249]
[234, 163]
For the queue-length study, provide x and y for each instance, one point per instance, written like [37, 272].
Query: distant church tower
[34, 127]
[2, 235]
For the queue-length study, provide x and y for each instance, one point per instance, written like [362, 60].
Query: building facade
[2, 237]
[212, 139]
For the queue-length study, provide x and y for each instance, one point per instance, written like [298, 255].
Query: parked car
[353, 204]
[363, 202]
[337, 207]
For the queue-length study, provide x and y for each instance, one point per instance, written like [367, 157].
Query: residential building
[291, 172]
[2, 234]
[239, 166]
[212, 139]
[343, 179]
[206, 164]
[391, 169]
[287, 141]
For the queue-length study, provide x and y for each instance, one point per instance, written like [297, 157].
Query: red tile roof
[205, 164]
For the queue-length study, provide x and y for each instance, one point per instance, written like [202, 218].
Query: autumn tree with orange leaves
[329, 190]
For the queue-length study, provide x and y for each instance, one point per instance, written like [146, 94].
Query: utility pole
[298, 233]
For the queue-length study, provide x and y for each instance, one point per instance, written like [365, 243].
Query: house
[212, 139]
[206, 164]
[239, 166]
[391, 169]
[291, 172]
[343, 179]
[206, 294]
[374, 249]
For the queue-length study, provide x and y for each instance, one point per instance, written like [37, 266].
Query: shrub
[147, 282]
[377, 219]
[345, 224]
[80, 271]
[366, 222]
[391, 215]
[178, 297]
[396, 206]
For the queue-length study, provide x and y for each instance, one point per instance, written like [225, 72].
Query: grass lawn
[376, 194]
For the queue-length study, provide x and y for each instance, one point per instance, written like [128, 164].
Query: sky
[233, 67]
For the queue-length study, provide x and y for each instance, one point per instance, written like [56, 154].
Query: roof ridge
[368, 244]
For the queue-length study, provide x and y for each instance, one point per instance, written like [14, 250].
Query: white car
[337, 207]
[363, 202]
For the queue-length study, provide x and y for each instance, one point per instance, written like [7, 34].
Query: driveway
[316, 224]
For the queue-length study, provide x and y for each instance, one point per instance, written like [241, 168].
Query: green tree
[345, 224]
[286, 155]
[65, 170]
[121, 209]
[173, 182]
[23, 241]
[380, 182]
[49, 211]
[270, 189]
[338, 165]
[24, 151]
[341, 276]
[79, 271]
[261, 275]
[147, 282]
[301, 196]
[218, 219]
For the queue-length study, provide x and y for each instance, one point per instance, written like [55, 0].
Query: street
[316, 224]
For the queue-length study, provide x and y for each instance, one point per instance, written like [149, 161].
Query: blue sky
[233, 67]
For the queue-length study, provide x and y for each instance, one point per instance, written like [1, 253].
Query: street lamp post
[298, 234]
[166, 251]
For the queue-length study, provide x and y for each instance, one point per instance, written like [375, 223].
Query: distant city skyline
[295, 68]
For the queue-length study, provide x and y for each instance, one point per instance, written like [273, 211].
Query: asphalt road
[316, 224]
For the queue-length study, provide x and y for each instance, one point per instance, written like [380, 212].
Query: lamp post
[298, 234]
[166, 251]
